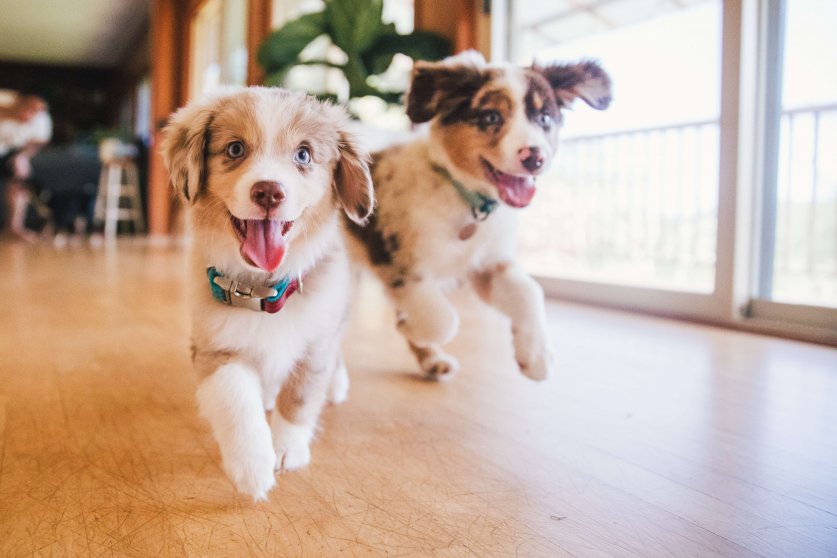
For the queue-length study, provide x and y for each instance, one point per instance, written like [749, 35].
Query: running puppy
[264, 172]
[446, 200]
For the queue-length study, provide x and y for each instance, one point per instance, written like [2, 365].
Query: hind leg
[338, 390]
[428, 320]
[425, 314]
[436, 364]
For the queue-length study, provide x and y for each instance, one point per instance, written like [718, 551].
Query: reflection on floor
[655, 438]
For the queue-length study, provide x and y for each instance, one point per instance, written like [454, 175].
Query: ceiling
[558, 21]
[72, 32]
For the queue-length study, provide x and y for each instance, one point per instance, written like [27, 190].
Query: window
[218, 46]
[135, 111]
[142, 116]
[632, 197]
[801, 231]
[709, 188]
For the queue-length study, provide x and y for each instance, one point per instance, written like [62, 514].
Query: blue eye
[302, 156]
[490, 118]
[544, 119]
[235, 150]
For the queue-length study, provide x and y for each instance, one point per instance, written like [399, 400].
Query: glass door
[709, 188]
[799, 236]
[795, 275]
[628, 214]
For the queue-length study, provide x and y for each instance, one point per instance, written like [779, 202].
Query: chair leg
[136, 198]
[112, 212]
[101, 195]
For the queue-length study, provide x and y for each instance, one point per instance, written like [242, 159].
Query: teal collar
[480, 204]
[264, 299]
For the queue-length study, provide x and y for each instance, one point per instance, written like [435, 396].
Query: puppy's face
[262, 167]
[500, 124]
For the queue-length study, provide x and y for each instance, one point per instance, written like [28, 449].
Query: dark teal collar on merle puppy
[480, 204]
[264, 299]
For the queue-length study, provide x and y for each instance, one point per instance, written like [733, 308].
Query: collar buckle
[241, 295]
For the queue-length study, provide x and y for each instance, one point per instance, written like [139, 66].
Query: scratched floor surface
[656, 438]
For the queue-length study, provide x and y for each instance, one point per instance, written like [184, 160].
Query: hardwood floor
[656, 438]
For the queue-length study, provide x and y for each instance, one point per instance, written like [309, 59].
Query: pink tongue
[263, 243]
[516, 191]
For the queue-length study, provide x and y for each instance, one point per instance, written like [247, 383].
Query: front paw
[291, 442]
[533, 356]
[251, 470]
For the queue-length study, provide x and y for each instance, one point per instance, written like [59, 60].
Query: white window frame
[767, 19]
[747, 78]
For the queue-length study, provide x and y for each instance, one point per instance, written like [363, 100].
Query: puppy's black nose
[267, 194]
[531, 158]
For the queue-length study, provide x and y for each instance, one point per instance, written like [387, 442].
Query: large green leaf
[282, 47]
[418, 45]
[354, 24]
[357, 75]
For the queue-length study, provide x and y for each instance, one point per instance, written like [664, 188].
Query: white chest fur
[273, 343]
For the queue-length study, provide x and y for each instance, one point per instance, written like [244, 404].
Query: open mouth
[515, 190]
[262, 241]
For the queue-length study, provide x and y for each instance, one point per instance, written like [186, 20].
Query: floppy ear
[586, 80]
[442, 87]
[185, 140]
[352, 181]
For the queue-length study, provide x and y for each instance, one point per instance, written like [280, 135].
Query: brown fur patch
[462, 142]
[420, 353]
[483, 280]
[380, 249]
[571, 80]
[300, 399]
[540, 98]
[207, 362]
[352, 180]
[441, 89]
[494, 98]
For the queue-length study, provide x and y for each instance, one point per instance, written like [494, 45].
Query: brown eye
[302, 155]
[235, 150]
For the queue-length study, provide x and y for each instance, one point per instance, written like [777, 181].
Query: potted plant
[356, 28]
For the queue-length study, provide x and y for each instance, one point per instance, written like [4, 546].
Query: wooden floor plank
[655, 438]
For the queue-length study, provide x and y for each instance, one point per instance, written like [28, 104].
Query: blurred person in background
[25, 127]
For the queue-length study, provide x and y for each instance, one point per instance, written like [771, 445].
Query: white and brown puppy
[446, 200]
[264, 172]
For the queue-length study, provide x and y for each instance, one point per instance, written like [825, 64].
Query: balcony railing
[635, 207]
[640, 207]
[805, 262]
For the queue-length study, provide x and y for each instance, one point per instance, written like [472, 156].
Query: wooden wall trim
[169, 41]
[258, 27]
[461, 28]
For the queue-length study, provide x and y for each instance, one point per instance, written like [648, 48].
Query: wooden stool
[119, 199]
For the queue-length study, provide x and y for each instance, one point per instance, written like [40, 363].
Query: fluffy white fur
[251, 363]
[417, 241]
